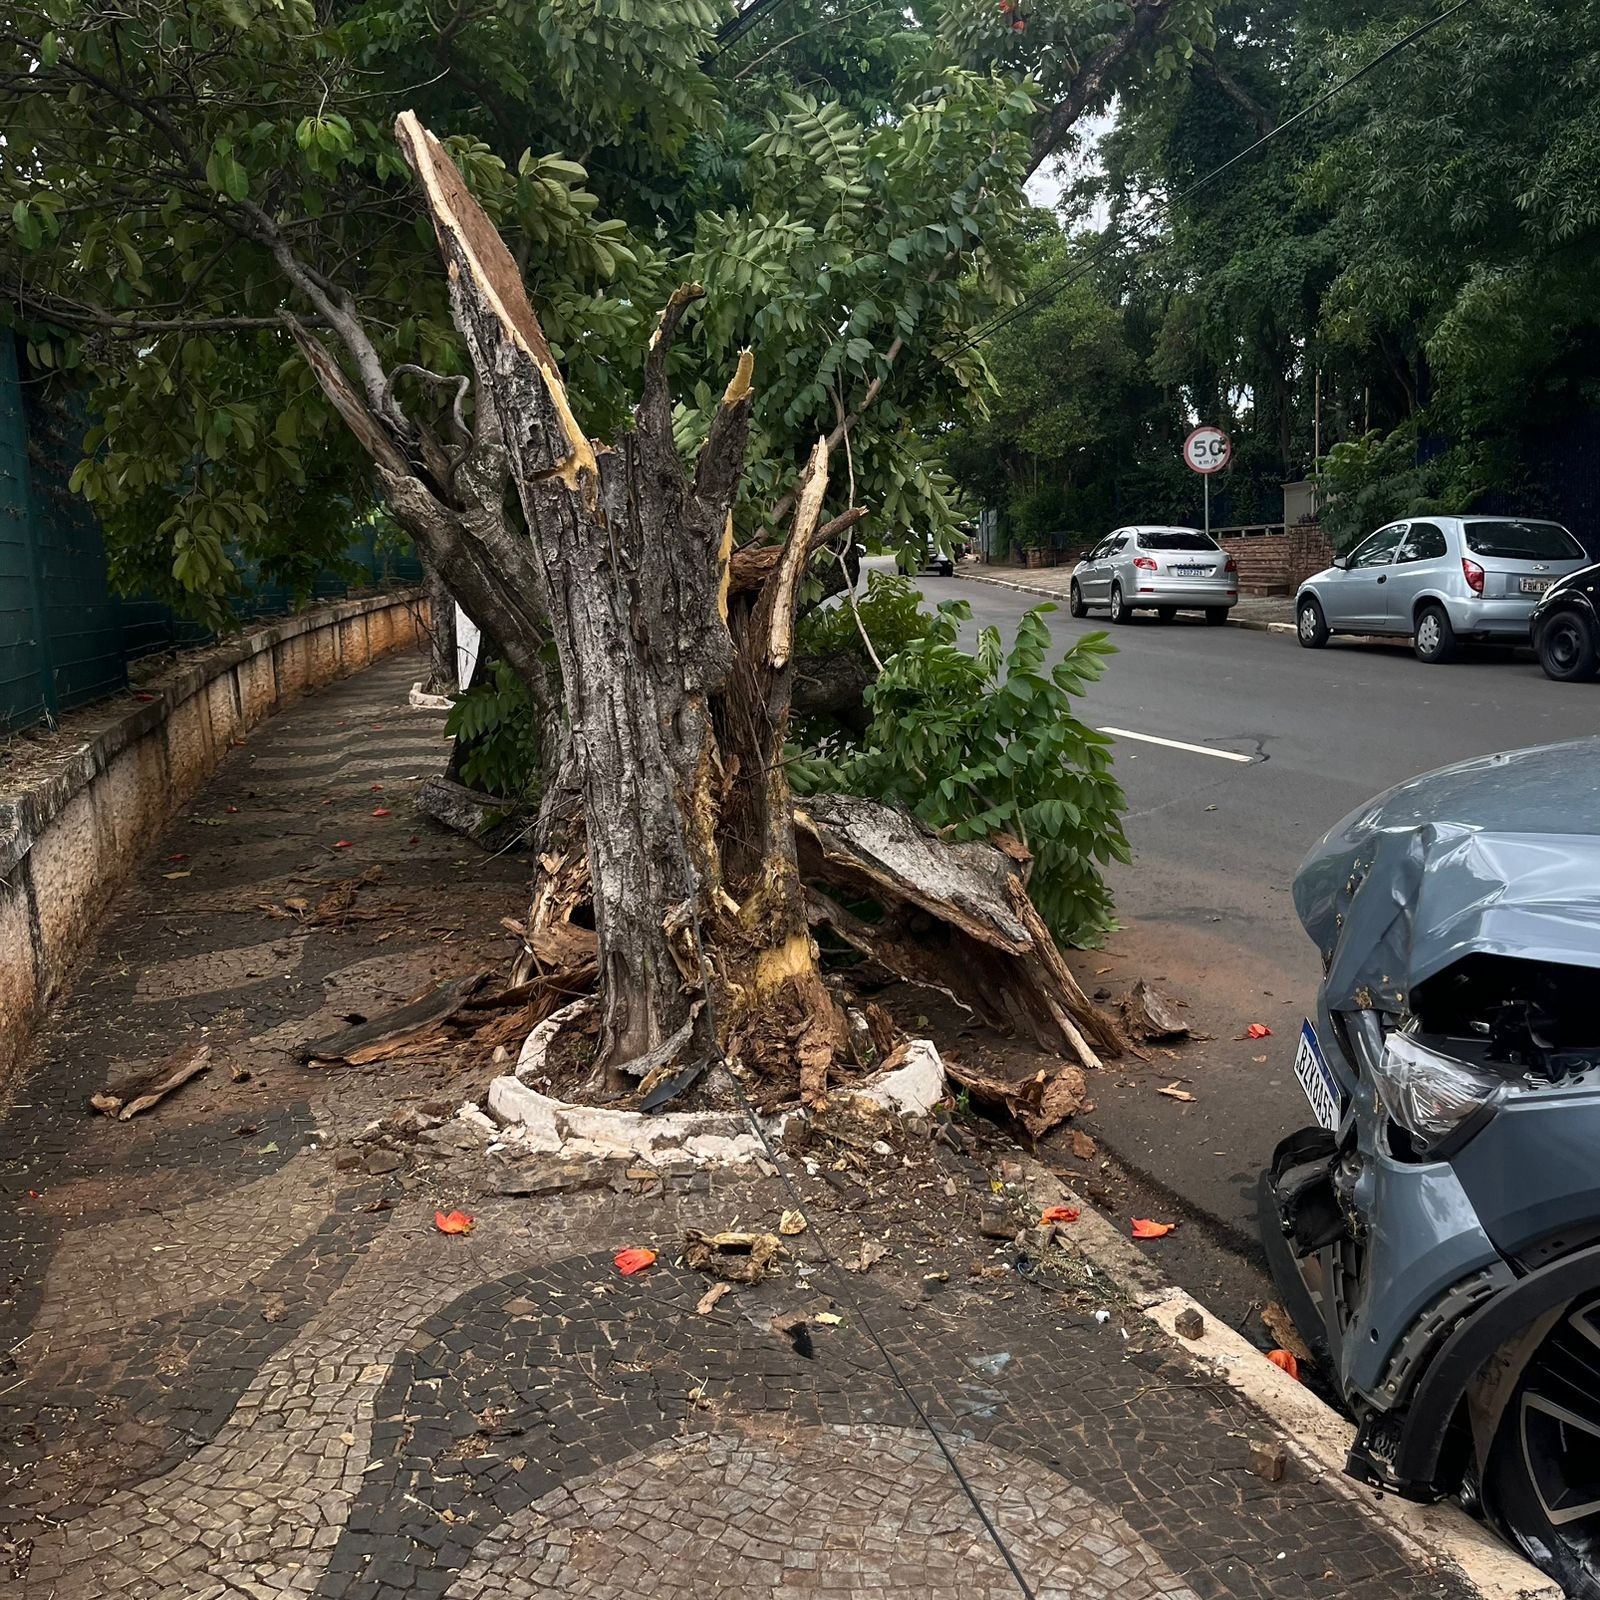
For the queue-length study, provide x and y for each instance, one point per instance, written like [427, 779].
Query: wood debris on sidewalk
[731, 1256]
[1036, 1104]
[142, 1090]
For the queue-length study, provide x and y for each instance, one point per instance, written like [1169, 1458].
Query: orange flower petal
[1058, 1214]
[1144, 1228]
[629, 1262]
[453, 1221]
[1286, 1360]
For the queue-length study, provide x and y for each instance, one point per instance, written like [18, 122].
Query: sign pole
[1206, 479]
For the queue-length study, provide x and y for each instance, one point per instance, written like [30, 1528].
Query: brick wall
[1278, 563]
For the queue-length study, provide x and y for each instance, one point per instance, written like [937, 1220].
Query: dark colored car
[1436, 1234]
[1566, 626]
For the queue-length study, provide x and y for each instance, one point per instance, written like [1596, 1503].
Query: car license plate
[1317, 1079]
[1190, 572]
[1535, 585]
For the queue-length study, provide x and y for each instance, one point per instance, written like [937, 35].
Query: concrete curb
[1039, 589]
[1315, 1434]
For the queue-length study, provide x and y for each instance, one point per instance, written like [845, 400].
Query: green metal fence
[65, 637]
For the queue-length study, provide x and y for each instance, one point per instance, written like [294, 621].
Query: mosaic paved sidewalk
[237, 1359]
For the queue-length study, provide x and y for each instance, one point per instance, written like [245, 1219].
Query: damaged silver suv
[1437, 1232]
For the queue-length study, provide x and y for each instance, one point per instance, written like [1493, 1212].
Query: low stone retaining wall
[67, 839]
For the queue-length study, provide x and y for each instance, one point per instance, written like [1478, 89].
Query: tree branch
[1259, 114]
[1093, 82]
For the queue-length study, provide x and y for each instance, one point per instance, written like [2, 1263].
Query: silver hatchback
[1161, 569]
[1438, 581]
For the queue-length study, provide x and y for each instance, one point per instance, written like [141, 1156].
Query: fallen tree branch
[132, 1095]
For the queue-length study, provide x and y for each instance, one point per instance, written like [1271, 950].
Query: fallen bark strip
[142, 1090]
[955, 915]
[1149, 1015]
[427, 1010]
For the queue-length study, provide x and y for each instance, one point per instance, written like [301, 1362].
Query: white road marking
[1177, 744]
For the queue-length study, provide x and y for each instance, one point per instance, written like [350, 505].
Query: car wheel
[1541, 1481]
[1216, 616]
[1567, 648]
[1310, 626]
[1435, 639]
[1166, 613]
[1075, 605]
[1120, 610]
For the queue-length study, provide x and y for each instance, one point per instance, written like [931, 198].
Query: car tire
[1075, 604]
[1121, 611]
[1216, 616]
[1513, 1498]
[1167, 613]
[1566, 648]
[1435, 639]
[1310, 626]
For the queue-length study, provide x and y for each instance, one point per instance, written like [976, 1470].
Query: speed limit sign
[1207, 449]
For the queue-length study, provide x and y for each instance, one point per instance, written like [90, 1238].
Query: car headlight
[1428, 1094]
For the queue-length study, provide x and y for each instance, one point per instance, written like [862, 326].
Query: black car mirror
[1342, 563]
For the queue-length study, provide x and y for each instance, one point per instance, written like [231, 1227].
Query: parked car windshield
[1523, 541]
[1176, 539]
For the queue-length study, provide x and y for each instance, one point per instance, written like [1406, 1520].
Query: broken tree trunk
[954, 915]
[675, 685]
[665, 815]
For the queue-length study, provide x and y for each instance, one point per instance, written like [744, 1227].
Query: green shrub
[986, 742]
[891, 612]
[499, 735]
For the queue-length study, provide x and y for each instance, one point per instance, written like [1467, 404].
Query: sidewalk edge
[1313, 1432]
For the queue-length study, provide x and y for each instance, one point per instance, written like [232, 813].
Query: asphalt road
[1216, 843]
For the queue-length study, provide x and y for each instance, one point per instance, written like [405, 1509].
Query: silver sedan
[1162, 569]
[1439, 581]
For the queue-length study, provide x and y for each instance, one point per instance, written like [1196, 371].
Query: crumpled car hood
[1499, 855]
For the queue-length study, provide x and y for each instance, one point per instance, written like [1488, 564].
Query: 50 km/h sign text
[1207, 449]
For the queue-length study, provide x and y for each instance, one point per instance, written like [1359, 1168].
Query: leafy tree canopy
[844, 178]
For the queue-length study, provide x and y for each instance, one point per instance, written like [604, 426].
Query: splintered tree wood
[1149, 1015]
[1036, 1104]
[394, 1027]
[131, 1095]
[954, 915]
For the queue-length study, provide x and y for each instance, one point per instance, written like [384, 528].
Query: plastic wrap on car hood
[1499, 855]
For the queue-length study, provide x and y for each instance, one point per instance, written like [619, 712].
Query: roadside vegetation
[1400, 279]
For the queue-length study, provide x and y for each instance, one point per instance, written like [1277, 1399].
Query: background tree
[1415, 252]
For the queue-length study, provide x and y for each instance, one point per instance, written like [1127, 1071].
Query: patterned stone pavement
[237, 1359]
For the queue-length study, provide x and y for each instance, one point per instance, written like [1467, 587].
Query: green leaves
[987, 742]
[500, 734]
[224, 173]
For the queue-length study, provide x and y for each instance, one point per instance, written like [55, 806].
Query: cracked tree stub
[955, 915]
[664, 687]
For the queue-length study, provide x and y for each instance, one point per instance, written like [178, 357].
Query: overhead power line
[741, 22]
[1048, 291]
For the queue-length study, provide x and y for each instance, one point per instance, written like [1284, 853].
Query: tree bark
[665, 782]
[441, 633]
